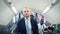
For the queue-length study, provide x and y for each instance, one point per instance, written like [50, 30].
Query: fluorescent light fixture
[14, 19]
[14, 9]
[49, 7]
[54, 1]
[46, 10]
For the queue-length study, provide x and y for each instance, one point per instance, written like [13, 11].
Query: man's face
[26, 12]
[59, 27]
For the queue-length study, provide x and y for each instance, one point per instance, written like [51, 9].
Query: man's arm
[16, 31]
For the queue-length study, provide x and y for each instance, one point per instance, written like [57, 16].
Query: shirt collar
[28, 18]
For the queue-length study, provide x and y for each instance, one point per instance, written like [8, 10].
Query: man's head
[26, 12]
[42, 21]
[59, 26]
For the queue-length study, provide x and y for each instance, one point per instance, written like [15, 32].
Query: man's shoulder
[21, 19]
[33, 20]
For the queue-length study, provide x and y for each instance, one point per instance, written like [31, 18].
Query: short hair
[26, 8]
[58, 25]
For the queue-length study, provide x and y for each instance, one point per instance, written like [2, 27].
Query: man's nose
[26, 11]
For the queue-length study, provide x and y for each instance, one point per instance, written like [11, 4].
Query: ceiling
[53, 15]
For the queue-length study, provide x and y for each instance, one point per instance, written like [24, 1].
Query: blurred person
[26, 25]
[41, 27]
[57, 30]
[50, 29]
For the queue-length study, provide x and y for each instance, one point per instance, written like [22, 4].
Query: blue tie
[27, 26]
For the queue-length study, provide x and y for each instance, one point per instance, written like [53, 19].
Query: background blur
[50, 9]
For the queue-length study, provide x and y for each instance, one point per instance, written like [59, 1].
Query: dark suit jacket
[22, 28]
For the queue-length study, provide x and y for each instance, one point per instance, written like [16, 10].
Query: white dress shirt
[41, 28]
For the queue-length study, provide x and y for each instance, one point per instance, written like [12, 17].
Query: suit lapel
[31, 20]
[24, 27]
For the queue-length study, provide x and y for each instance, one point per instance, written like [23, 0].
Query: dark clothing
[57, 30]
[51, 28]
[22, 28]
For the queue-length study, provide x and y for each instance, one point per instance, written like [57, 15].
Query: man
[41, 27]
[57, 29]
[26, 25]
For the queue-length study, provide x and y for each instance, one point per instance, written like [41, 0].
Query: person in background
[26, 25]
[57, 30]
[50, 29]
[41, 27]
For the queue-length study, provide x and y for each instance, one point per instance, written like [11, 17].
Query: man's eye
[27, 11]
[24, 11]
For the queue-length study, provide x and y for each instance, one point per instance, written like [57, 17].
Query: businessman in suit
[26, 25]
